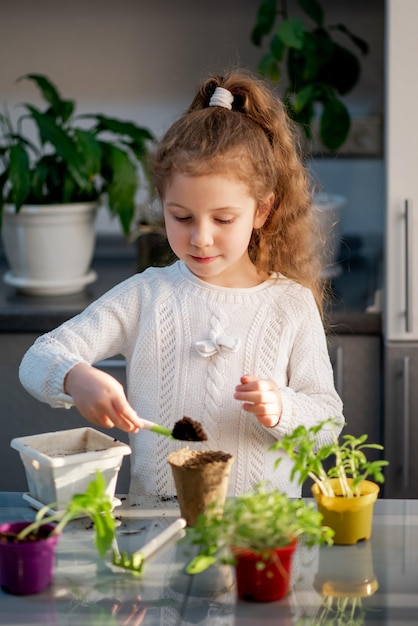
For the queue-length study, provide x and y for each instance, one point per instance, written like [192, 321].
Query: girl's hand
[100, 398]
[261, 397]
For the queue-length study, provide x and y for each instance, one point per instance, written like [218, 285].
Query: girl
[230, 334]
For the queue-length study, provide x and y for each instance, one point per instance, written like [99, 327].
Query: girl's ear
[263, 211]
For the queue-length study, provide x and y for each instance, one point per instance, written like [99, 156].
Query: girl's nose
[201, 236]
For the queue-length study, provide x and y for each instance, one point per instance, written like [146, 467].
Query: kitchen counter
[371, 583]
[352, 291]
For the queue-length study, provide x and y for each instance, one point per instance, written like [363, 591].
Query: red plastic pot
[267, 583]
[26, 567]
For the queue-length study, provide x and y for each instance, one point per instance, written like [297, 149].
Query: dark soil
[203, 458]
[10, 537]
[189, 430]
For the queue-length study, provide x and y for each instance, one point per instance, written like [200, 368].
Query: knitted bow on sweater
[216, 343]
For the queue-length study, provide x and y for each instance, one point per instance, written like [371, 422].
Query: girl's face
[209, 221]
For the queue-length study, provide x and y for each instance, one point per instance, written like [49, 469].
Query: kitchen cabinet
[401, 409]
[401, 264]
[356, 361]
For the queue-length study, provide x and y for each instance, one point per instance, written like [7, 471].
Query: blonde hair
[254, 143]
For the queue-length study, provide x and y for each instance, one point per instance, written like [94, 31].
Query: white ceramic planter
[328, 210]
[49, 248]
[59, 464]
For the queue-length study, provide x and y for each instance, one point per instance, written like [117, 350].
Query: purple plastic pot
[26, 567]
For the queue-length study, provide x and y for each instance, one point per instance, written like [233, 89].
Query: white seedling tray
[61, 463]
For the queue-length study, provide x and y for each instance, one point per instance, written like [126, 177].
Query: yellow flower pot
[350, 518]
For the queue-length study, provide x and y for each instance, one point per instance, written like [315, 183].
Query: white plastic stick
[155, 544]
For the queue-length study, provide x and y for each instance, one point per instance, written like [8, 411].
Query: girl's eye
[181, 219]
[224, 221]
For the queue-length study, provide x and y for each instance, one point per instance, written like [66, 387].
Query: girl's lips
[204, 260]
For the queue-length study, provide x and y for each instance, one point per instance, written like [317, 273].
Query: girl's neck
[238, 280]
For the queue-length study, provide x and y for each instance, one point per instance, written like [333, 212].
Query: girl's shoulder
[150, 283]
[291, 295]
[290, 287]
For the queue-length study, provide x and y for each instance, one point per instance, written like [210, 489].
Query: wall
[142, 60]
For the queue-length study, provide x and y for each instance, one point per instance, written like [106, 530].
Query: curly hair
[253, 143]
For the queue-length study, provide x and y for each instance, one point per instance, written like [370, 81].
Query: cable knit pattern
[186, 344]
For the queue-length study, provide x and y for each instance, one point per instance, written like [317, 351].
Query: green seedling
[260, 520]
[348, 459]
[94, 503]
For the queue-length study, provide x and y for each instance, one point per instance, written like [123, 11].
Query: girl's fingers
[256, 397]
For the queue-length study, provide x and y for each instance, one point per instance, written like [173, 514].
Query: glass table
[373, 582]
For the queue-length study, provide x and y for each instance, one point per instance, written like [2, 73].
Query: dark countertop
[115, 260]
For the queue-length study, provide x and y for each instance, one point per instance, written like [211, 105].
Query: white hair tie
[221, 98]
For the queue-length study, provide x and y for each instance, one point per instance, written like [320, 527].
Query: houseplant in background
[314, 69]
[57, 179]
[258, 533]
[27, 549]
[344, 495]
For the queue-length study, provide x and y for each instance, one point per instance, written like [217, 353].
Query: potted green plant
[27, 549]
[60, 177]
[306, 56]
[315, 67]
[340, 472]
[258, 533]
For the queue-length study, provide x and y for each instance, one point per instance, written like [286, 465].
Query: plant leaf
[38, 182]
[331, 72]
[265, 19]
[269, 68]
[60, 108]
[47, 88]
[304, 98]
[19, 175]
[200, 563]
[122, 177]
[362, 45]
[89, 148]
[129, 129]
[334, 124]
[277, 47]
[313, 9]
[292, 32]
[63, 144]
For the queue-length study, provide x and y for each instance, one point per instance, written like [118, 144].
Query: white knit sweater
[186, 344]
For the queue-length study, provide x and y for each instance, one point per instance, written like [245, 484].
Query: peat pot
[201, 479]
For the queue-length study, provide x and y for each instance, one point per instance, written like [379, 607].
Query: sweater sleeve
[99, 332]
[310, 395]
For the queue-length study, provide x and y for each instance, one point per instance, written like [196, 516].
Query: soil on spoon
[187, 429]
